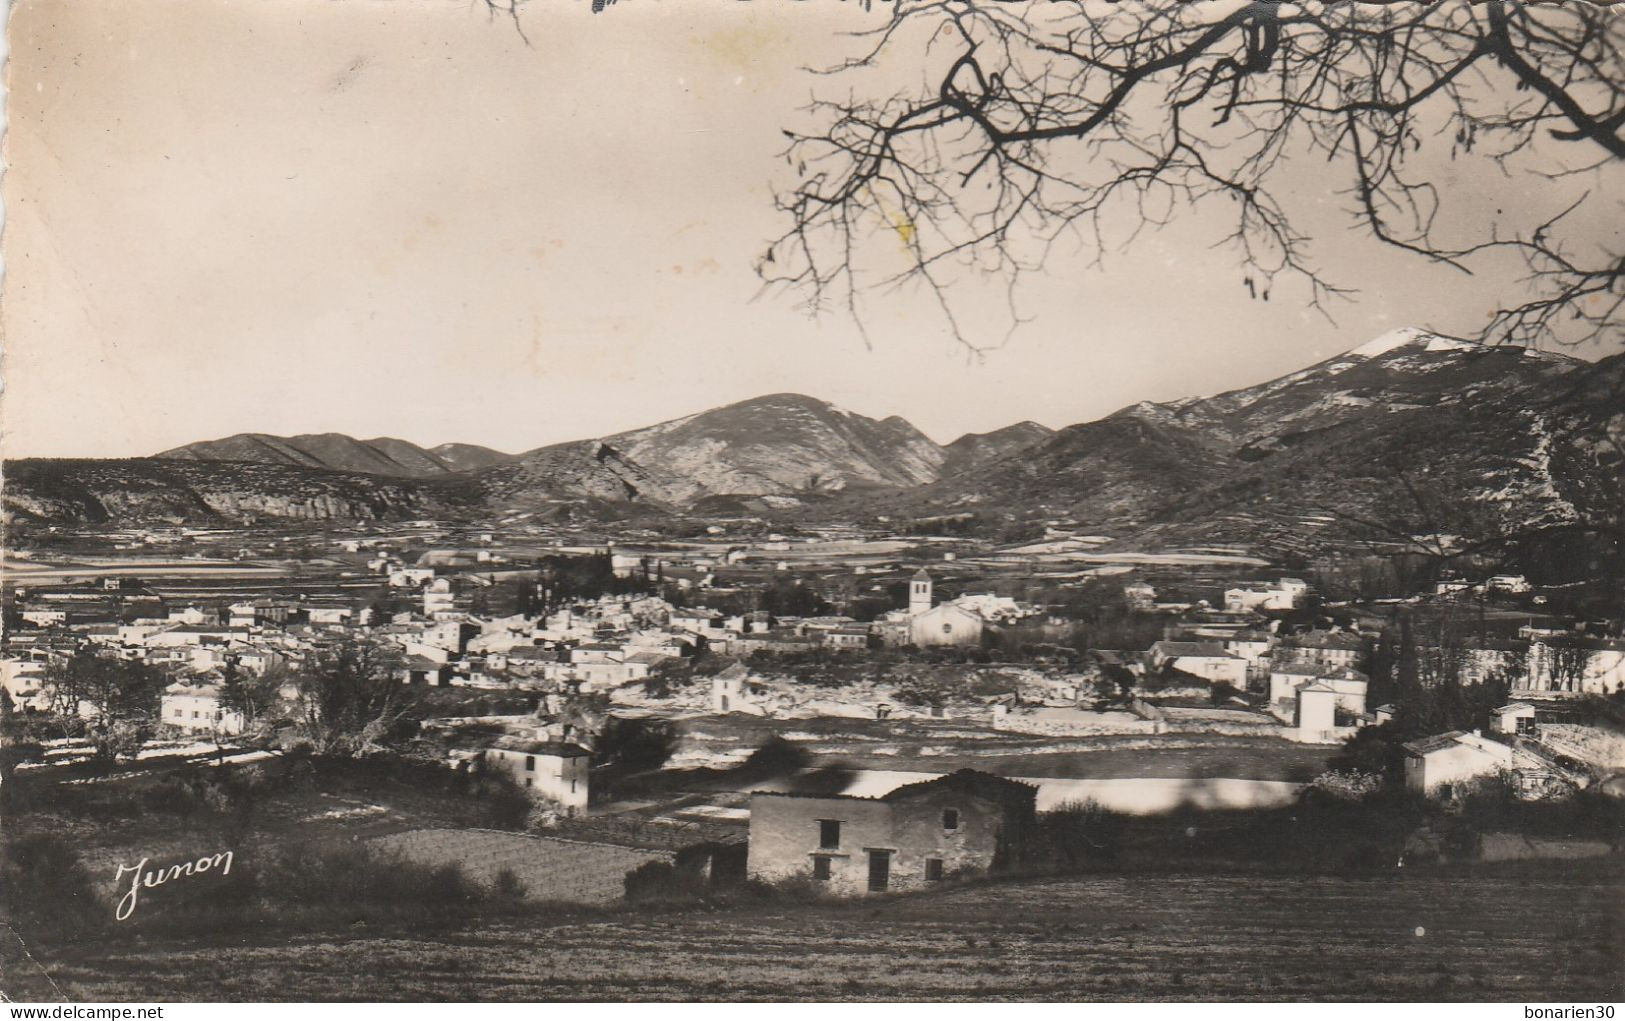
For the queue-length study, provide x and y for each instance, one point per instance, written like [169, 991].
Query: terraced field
[1523, 934]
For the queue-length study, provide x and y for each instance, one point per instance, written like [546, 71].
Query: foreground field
[1501, 933]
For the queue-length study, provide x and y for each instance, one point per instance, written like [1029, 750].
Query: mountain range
[1411, 433]
[341, 453]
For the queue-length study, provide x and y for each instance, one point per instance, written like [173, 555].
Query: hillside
[330, 451]
[973, 450]
[1411, 434]
[181, 491]
[588, 470]
[459, 457]
[785, 444]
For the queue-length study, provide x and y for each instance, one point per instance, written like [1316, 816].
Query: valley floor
[1553, 933]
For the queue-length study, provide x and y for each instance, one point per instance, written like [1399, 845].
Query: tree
[1442, 678]
[117, 698]
[1034, 122]
[349, 697]
[635, 744]
[253, 697]
[787, 597]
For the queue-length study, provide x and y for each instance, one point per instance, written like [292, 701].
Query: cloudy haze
[399, 218]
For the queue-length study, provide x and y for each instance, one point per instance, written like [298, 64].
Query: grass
[129, 817]
[1488, 933]
[548, 869]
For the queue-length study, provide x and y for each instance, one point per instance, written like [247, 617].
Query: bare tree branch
[1056, 121]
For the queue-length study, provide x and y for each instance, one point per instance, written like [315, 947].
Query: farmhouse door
[879, 870]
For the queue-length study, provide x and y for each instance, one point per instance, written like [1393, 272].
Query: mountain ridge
[1339, 449]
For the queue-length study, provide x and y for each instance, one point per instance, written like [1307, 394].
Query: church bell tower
[919, 593]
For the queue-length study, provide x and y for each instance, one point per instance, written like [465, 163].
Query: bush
[775, 757]
[504, 804]
[661, 881]
[1077, 835]
[636, 743]
[45, 893]
[508, 887]
[308, 886]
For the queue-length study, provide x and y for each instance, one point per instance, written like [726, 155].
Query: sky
[401, 218]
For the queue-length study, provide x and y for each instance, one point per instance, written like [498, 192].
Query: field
[943, 746]
[550, 869]
[1491, 933]
[124, 817]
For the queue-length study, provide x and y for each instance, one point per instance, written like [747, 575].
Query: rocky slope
[588, 470]
[973, 450]
[1412, 434]
[461, 457]
[181, 491]
[785, 444]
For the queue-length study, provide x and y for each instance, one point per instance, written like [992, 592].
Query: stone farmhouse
[965, 823]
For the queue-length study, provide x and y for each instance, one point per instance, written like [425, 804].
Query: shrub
[45, 892]
[1076, 835]
[1348, 785]
[508, 887]
[653, 880]
[504, 804]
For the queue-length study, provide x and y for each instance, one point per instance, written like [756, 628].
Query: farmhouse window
[933, 869]
[829, 833]
[821, 868]
[950, 818]
[947, 629]
[530, 763]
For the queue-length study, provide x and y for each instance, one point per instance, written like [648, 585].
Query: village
[666, 703]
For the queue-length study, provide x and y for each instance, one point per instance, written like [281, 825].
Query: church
[922, 624]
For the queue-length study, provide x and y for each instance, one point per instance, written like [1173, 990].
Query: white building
[438, 598]
[734, 690]
[1435, 766]
[24, 682]
[1580, 668]
[946, 625]
[196, 708]
[1514, 718]
[1328, 648]
[410, 577]
[1511, 584]
[554, 771]
[1350, 686]
[1207, 660]
[1284, 595]
[330, 614]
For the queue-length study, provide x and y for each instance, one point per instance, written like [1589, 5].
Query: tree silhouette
[349, 698]
[1036, 123]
